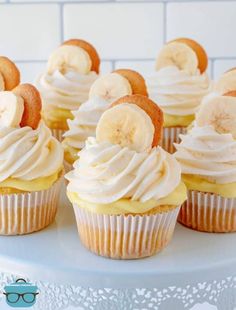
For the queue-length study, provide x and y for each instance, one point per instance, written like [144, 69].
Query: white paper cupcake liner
[67, 166]
[125, 236]
[208, 212]
[58, 134]
[25, 213]
[170, 136]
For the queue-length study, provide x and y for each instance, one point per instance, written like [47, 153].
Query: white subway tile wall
[209, 22]
[126, 33]
[144, 67]
[118, 30]
[222, 66]
[29, 32]
[30, 70]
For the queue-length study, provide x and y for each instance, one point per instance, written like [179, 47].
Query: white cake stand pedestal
[194, 268]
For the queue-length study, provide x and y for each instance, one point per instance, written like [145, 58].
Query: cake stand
[194, 268]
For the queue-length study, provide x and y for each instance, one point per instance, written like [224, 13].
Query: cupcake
[227, 82]
[71, 70]
[207, 155]
[31, 163]
[105, 90]
[178, 86]
[126, 190]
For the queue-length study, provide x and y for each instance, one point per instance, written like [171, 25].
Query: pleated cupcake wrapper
[67, 166]
[125, 237]
[170, 136]
[58, 134]
[25, 213]
[208, 212]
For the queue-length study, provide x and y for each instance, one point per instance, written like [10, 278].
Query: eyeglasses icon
[20, 294]
[27, 297]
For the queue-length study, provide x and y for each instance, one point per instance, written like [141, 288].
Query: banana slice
[2, 83]
[69, 57]
[199, 51]
[151, 109]
[127, 125]
[89, 48]
[11, 109]
[219, 112]
[178, 54]
[227, 82]
[110, 87]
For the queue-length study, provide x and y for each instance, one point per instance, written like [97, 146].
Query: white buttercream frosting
[29, 154]
[65, 91]
[85, 122]
[177, 92]
[209, 154]
[105, 173]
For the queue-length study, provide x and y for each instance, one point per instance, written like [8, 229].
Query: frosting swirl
[28, 154]
[64, 91]
[177, 92]
[208, 154]
[106, 173]
[84, 122]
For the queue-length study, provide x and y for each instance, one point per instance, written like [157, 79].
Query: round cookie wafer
[231, 93]
[136, 81]
[9, 73]
[32, 105]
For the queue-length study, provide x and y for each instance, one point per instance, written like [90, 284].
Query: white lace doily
[221, 294]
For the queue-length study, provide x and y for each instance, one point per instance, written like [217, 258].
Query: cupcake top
[208, 150]
[71, 70]
[124, 162]
[180, 81]
[27, 149]
[64, 90]
[177, 92]
[103, 92]
[28, 154]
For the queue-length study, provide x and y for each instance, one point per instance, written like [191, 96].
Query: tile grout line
[111, 1]
[61, 20]
[191, 1]
[12, 2]
[124, 59]
[212, 68]
[223, 58]
[113, 65]
[164, 22]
